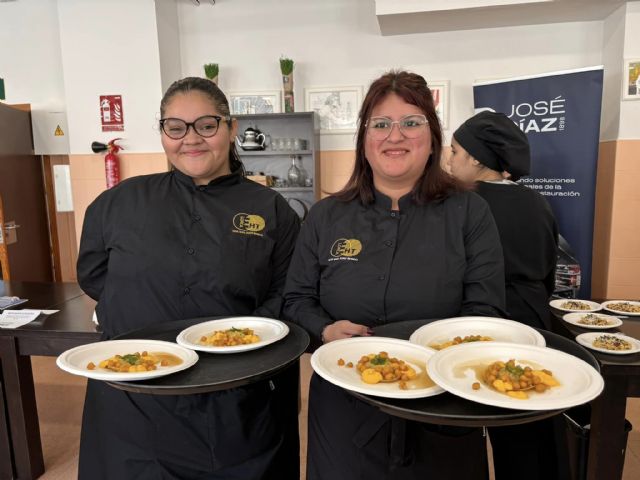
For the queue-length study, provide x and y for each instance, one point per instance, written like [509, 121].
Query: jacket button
[381, 277]
[197, 218]
[202, 188]
[190, 251]
[186, 290]
[388, 243]
[394, 214]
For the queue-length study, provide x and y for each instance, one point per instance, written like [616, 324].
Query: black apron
[370, 445]
[243, 433]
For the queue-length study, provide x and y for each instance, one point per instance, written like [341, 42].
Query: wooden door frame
[4, 257]
[62, 234]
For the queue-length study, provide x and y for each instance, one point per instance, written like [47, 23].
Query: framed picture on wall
[337, 107]
[440, 91]
[631, 79]
[242, 103]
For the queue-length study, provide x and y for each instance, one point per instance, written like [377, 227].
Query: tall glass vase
[294, 174]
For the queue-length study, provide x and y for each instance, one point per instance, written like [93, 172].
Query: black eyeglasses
[206, 126]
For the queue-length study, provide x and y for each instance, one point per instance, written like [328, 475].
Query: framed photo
[337, 107]
[440, 92]
[254, 102]
[631, 79]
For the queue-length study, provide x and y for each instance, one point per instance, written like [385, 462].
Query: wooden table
[621, 375]
[49, 335]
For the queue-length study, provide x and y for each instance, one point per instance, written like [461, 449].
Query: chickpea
[340, 362]
[475, 386]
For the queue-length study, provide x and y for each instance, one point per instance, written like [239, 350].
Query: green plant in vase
[286, 68]
[211, 71]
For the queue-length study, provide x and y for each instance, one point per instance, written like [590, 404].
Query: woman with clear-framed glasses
[401, 241]
[171, 246]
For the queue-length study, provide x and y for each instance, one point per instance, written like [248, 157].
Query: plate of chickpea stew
[379, 366]
[451, 332]
[520, 377]
[126, 360]
[232, 334]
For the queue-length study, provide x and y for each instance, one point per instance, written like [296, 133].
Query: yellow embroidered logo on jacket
[248, 224]
[345, 249]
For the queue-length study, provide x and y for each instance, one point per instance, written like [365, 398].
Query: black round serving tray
[448, 409]
[215, 371]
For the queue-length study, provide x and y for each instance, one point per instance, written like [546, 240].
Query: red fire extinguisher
[111, 163]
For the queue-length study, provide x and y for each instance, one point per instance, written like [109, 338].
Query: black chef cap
[496, 142]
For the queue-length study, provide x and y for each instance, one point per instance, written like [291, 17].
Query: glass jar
[294, 175]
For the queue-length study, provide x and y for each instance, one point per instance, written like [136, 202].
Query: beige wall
[616, 252]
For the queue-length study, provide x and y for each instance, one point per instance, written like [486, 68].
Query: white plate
[75, 360]
[586, 339]
[268, 329]
[499, 329]
[594, 306]
[325, 363]
[620, 312]
[573, 318]
[453, 370]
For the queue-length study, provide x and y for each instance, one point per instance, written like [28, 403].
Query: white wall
[337, 42]
[613, 45]
[630, 109]
[30, 52]
[30, 60]
[111, 48]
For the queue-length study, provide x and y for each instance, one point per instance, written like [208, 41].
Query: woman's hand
[344, 329]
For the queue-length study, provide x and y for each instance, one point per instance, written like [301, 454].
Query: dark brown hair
[434, 183]
[217, 97]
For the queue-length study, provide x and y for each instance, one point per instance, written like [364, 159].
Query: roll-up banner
[560, 113]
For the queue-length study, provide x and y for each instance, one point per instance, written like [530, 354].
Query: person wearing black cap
[491, 151]
[485, 149]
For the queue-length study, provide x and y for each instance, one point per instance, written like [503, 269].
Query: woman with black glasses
[171, 246]
[401, 241]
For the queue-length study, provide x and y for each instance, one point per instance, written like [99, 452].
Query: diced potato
[519, 394]
[546, 378]
[371, 376]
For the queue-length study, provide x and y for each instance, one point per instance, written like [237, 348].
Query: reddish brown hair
[434, 183]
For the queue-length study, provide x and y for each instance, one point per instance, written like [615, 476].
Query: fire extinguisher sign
[111, 114]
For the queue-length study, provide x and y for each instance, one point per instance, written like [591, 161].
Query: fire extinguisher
[111, 163]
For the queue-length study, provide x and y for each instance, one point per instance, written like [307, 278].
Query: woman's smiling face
[397, 160]
[203, 159]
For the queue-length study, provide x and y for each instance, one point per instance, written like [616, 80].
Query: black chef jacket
[373, 265]
[158, 248]
[529, 236]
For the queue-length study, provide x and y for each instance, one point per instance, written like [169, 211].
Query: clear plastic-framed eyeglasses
[206, 126]
[411, 126]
